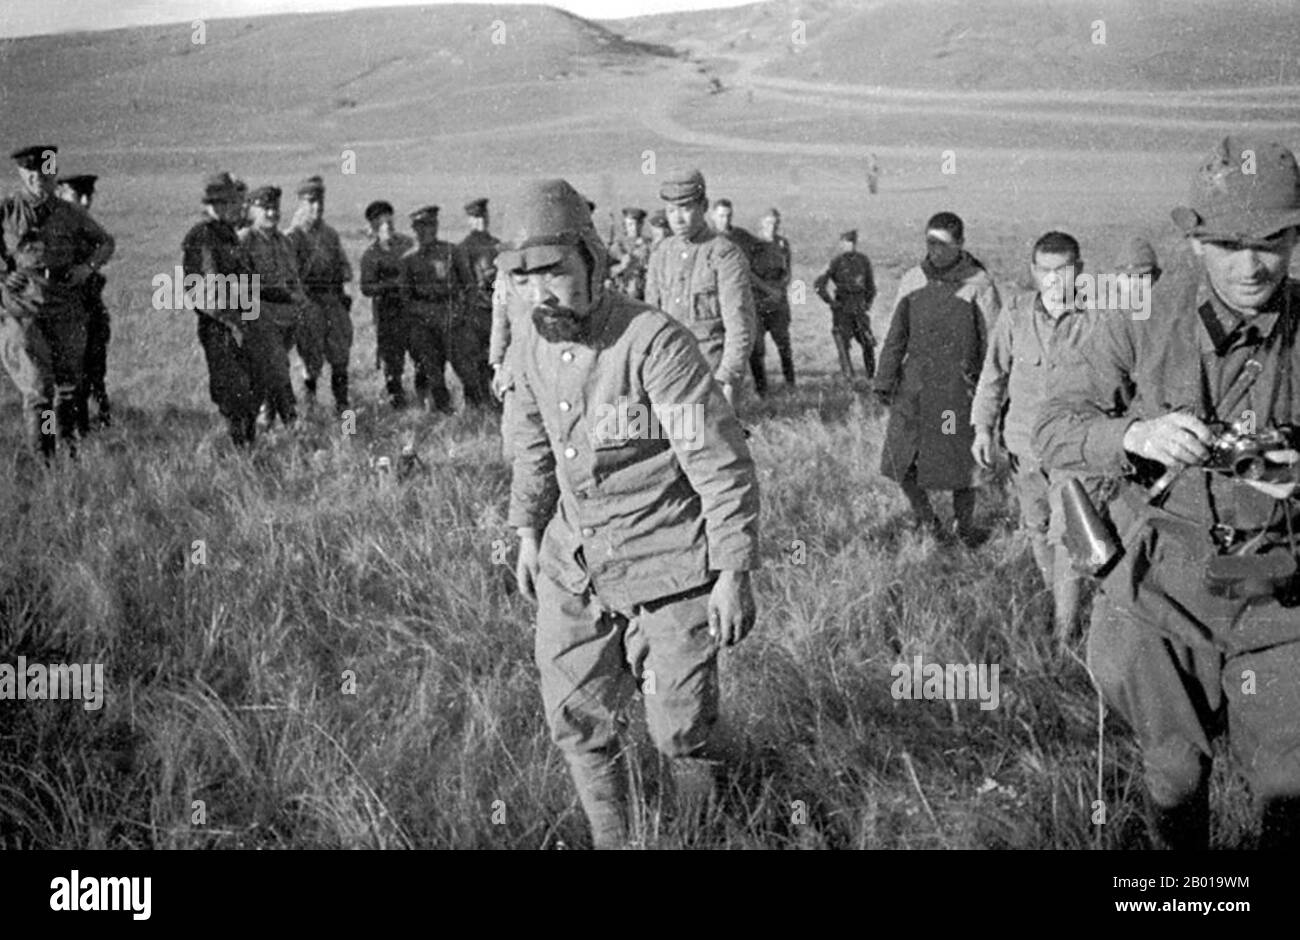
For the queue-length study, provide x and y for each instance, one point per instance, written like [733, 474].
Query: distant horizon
[27, 18]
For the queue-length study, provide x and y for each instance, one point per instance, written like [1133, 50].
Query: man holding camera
[1197, 629]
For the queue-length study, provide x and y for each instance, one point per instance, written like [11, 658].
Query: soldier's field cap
[377, 208]
[682, 187]
[632, 212]
[1138, 257]
[1245, 190]
[476, 208]
[312, 186]
[850, 236]
[265, 196]
[659, 219]
[82, 184]
[425, 214]
[553, 217]
[34, 157]
[220, 187]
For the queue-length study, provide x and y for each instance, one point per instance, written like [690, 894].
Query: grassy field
[299, 654]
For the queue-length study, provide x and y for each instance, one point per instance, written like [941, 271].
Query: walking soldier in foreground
[50, 250]
[929, 366]
[855, 290]
[643, 570]
[381, 281]
[701, 279]
[1196, 407]
[325, 332]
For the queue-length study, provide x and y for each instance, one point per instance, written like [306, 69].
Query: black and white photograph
[649, 425]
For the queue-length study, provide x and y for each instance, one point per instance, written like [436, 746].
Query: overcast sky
[32, 17]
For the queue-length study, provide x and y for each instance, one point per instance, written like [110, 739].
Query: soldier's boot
[264, 416]
[393, 385]
[602, 790]
[923, 516]
[104, 411]
[1184, 827]
[963, 510]
[787, 364]
[83, 411]
[695, 792]
[1044, 557]
[339, 389]
[441, 399]
[758, 368]
[869, 360]
[1280, 823]
[39, 432]
[1067, 595]
[68, 418]
[309, 392]
[243, 429]
[842, 353]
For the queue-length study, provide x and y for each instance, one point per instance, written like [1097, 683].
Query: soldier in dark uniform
[80, 191]
[282, 302]
[470, 335]
[325, 333]
[771, 266]
[431, 290]
[630, 253]
[381, 281]
[855, 289]
[49, 249]
[1197, 630]
[722, 214]
[211, 250]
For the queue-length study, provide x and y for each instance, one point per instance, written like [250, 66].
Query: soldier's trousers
[591, 658]
[775, 320]
[269, 339]
[324, 335]
[427, 338]
[44, 356]
[851, 320]
[94, 366]
[468, 340]
[1042, 518]
[232, 377]
[1178, 696]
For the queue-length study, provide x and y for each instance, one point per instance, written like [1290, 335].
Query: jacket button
[588, 532]
[570, 452]
[567, 356]
[565, 406]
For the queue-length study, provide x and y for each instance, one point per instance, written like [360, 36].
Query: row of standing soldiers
[432, 302]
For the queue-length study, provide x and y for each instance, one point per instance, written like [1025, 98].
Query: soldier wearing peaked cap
[325, 333]
[470, 338]
[50, 249]
[701, 280]
[229, 328]
[771, 264]
[381, 281]
[432, 288]
[282, 302]
[855, 289]
[80, 191]
[643, 570]
[1196, 629]
[658, 228]
[630, 253]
